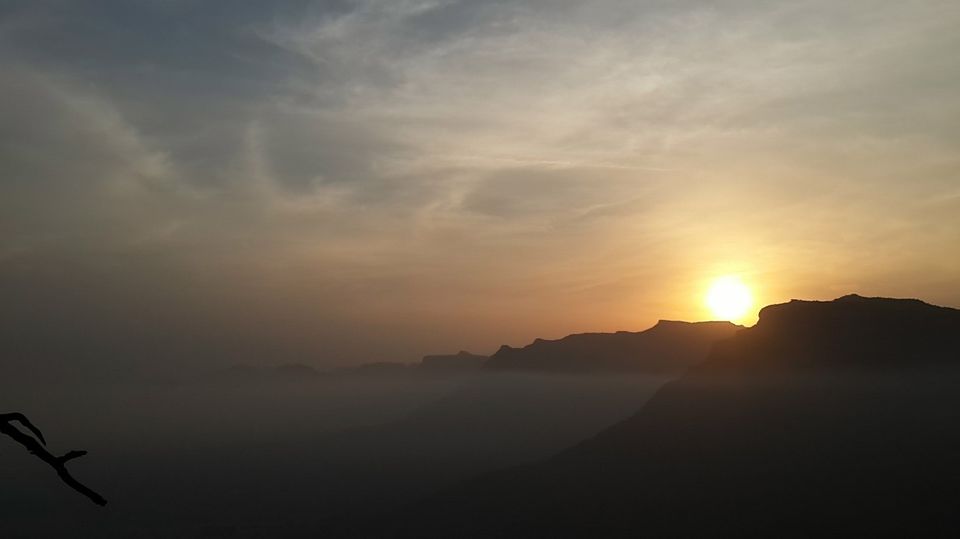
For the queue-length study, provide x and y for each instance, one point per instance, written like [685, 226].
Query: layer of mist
[247, 456]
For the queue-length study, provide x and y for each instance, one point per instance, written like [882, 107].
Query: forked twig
[37, 448]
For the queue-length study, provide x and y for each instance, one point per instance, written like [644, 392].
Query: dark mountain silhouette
[462, 361]
[510, 415]
[826, 418]
[497, 418]
[490, 422]
[667, 348]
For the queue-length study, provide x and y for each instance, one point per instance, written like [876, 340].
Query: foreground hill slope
[667, 348]
[835, 417]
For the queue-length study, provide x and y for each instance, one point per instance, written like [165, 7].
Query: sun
[728, 298]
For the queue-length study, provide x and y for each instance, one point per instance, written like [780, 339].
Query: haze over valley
[479, 268]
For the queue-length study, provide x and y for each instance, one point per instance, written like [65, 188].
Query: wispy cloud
[354, 161]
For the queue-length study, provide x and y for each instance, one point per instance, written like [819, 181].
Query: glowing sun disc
[729, 299]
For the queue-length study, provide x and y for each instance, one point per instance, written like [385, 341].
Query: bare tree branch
[38, 449]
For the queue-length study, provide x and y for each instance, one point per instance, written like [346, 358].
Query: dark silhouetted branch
[38, 449]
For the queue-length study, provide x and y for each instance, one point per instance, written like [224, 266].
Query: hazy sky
[331, 182]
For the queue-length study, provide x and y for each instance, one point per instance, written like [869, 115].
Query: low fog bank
[258, 456]
[337, 456]
[214, 410]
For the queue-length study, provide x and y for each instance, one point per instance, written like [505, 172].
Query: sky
[185, 184]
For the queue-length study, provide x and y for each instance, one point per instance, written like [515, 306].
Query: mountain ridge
[668, 346]
[774, 434]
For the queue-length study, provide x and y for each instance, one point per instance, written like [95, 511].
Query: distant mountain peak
[879, 299]
[462, 361]
[668, 347]
[670, 324]
[863, 305]
[852, 330]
